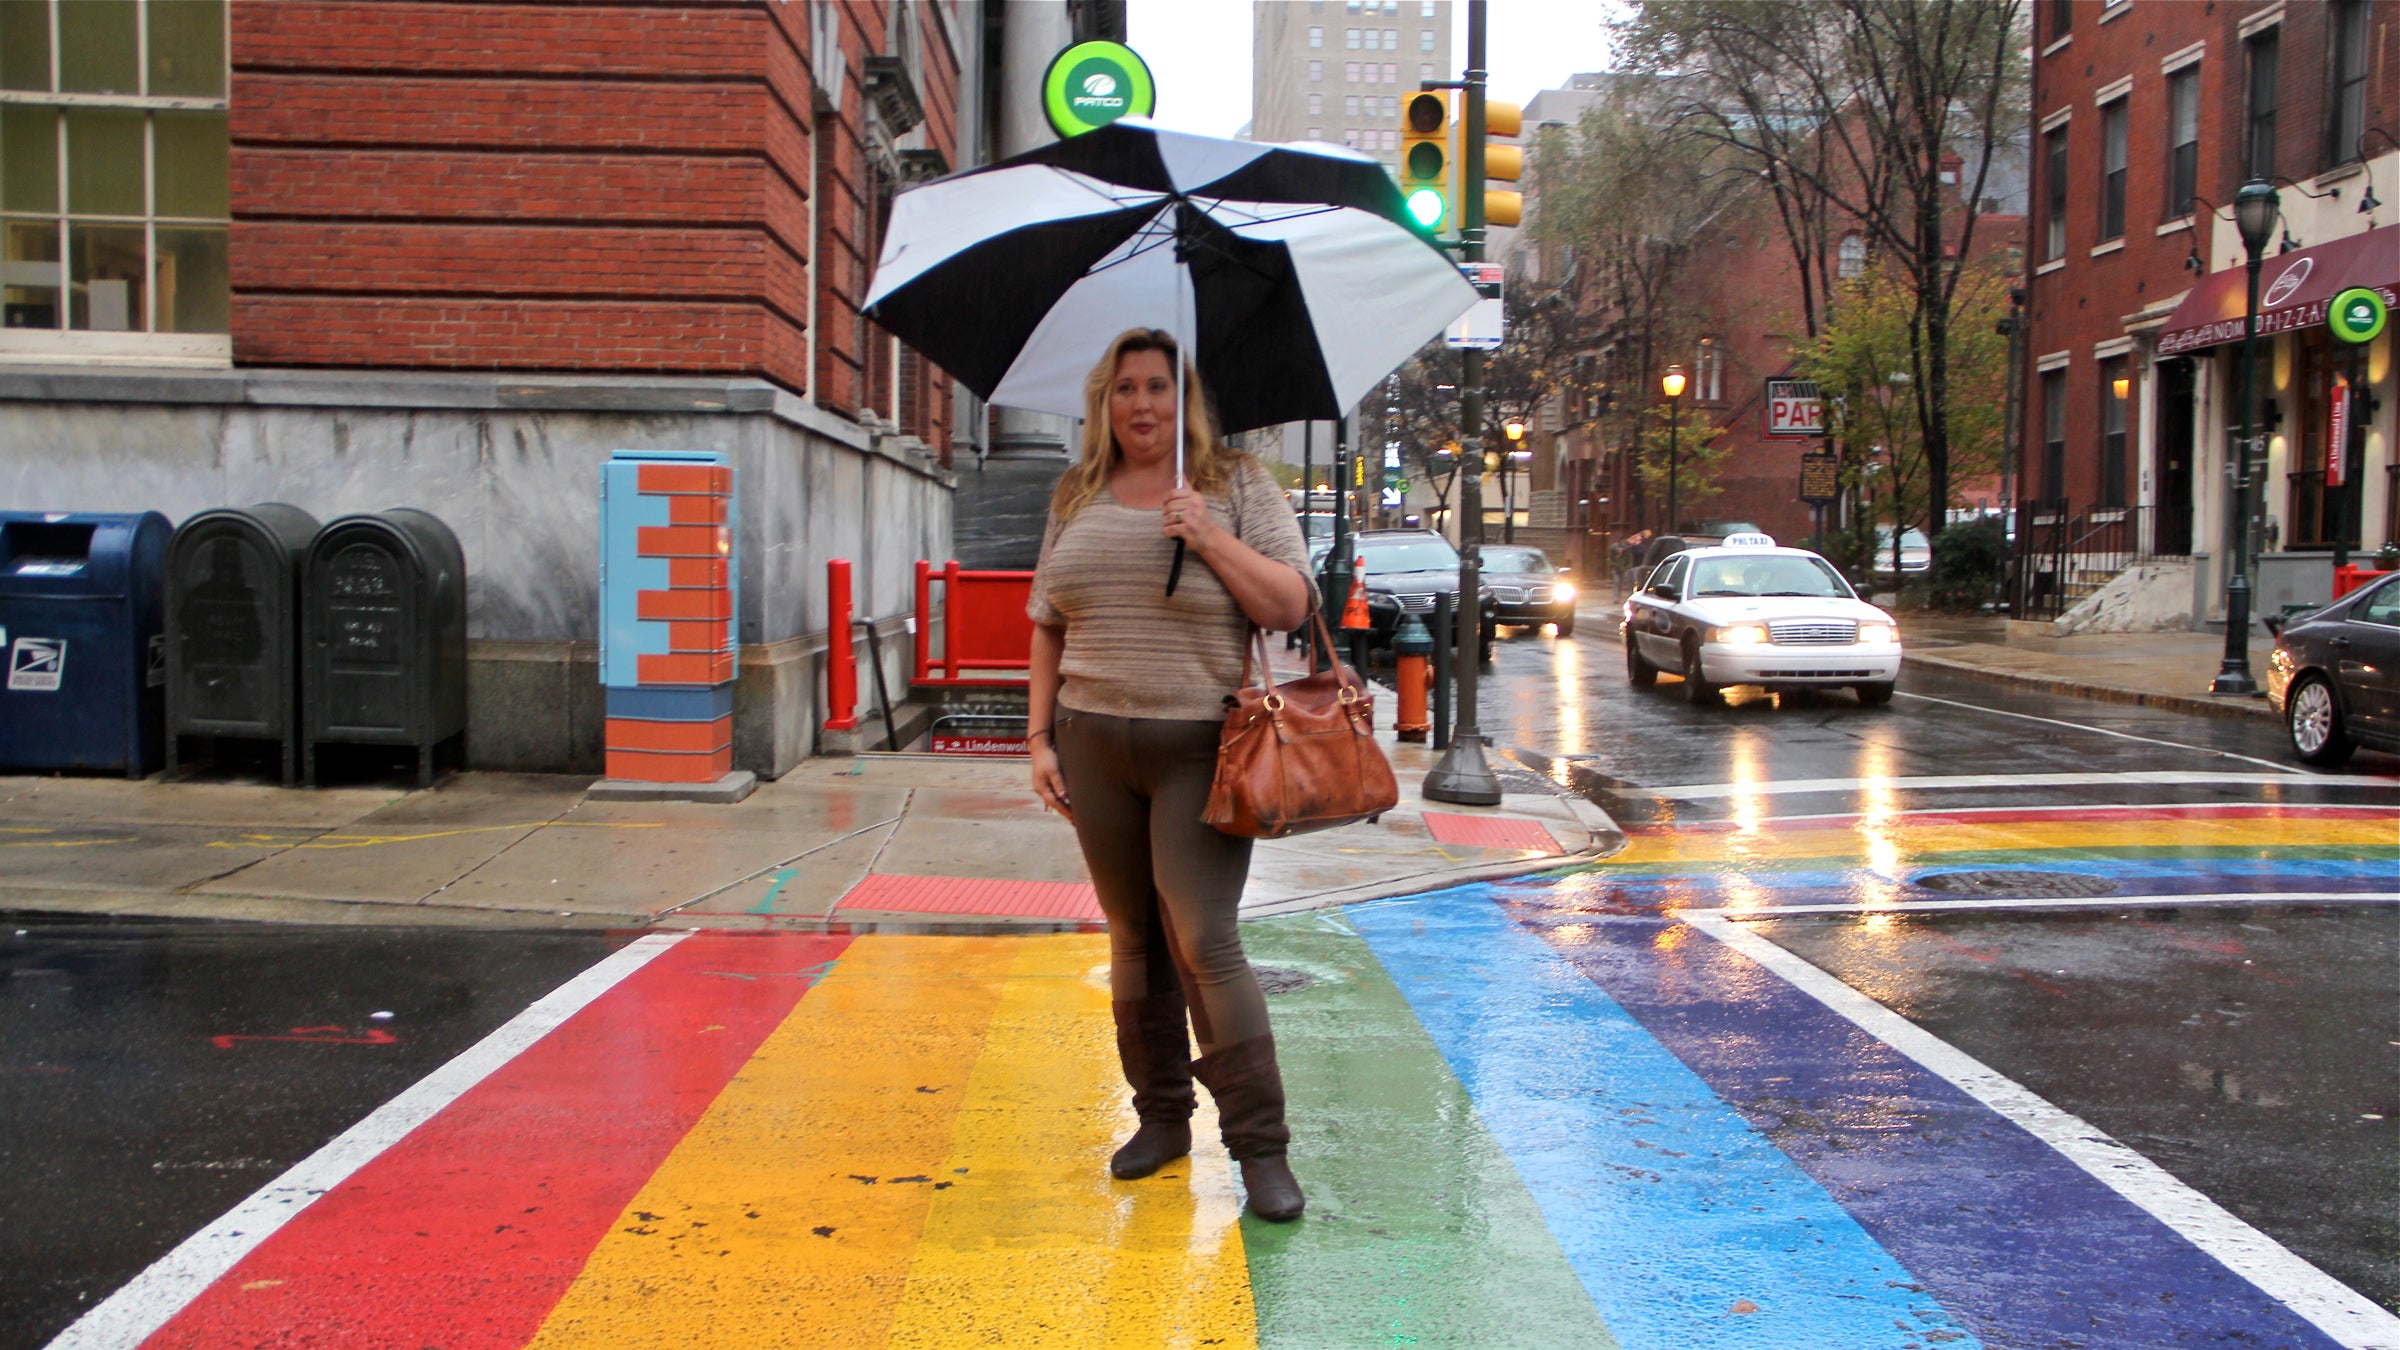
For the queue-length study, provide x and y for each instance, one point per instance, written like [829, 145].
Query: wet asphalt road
[2246, 1049]
[155, 1073]
[2253, 1051]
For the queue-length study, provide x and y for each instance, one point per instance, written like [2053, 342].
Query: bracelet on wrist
[1043, 731]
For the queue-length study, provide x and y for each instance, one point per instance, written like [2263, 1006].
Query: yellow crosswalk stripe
[1848, 841]
[789, 1215]
[1038, 1246]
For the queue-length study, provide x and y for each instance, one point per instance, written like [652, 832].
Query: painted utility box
[669, 642]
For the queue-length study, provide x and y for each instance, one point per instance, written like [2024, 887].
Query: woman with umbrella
[1128, 695]
[1291, 281]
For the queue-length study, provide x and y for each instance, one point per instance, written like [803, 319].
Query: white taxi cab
[1748, 612]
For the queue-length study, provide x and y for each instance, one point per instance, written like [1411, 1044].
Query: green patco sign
[1092, 84]
[2356, 315]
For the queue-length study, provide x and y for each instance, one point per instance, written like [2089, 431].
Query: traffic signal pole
[1463, 776]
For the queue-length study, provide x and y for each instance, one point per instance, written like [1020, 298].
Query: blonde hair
[1207, 462]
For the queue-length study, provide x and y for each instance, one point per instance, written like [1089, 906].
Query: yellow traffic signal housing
[1505, 163]
[1426, 160]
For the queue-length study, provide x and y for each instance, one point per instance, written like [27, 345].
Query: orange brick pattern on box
[677, 738]
[650, 767]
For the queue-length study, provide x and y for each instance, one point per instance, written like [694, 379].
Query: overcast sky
[1199, 53]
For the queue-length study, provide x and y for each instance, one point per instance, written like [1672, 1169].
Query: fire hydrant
[1412, 650]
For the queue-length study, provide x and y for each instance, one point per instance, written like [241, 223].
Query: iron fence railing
[2062, 553]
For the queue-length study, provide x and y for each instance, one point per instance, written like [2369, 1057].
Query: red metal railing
[987, 638]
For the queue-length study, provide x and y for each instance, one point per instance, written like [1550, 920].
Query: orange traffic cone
[1354, 613]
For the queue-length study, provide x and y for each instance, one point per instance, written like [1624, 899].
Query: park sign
[1092, 84]
[1793, 410]
[2357, 316]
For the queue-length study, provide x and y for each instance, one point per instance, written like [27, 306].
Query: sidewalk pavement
[2157, 670]
[892, 841]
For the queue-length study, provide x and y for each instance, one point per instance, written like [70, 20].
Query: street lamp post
[2254, 210]
[1672, 384]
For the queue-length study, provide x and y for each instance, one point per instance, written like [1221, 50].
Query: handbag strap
[1258, 643]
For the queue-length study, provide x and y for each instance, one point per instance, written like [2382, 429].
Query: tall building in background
[1333, 71]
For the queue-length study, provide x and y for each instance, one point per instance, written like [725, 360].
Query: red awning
[2293, 289]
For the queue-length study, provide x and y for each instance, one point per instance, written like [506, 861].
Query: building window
[2112, 171]
[2183, 140]
[1316, 71]
[1316, 105]
[1424, 72]
[2054, 435]
[1391, 138]
[113, 199]
[1354, 6]
[2054, 210]
[1708, 371]
[1316, 36]
[1316, 133]
[1425, 40]
[1853, 256]
[1350, 71]
[1350, 38]
[1424, 9]
[1391, 72]
[2116, 392]
[1391, 39]
[1391, 107]
[2259, 158]
[2346, 113]
[2062, 20]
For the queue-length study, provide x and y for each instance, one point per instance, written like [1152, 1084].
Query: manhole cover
[1282, 979]
[2019, 885]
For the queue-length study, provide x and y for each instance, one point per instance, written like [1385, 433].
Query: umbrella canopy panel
[1295, 296]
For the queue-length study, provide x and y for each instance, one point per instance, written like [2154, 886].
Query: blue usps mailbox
[81, 614]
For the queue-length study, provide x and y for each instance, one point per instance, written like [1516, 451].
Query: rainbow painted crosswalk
[1554, 1112]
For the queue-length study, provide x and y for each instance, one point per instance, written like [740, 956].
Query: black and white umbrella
[1287, 272]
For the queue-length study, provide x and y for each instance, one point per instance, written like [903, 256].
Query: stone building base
[512, 465]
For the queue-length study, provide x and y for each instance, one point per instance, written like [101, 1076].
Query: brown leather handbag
[1300, 756]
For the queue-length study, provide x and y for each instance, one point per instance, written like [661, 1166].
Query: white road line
[2339, 1311]
[1690, 792]
[2071, 809]
[2103, 731]
[2074, 902]
[151, 1299]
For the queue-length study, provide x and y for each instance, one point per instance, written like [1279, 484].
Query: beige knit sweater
[1131, 649]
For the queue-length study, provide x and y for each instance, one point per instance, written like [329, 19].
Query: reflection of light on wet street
[1879, 818]
[1747, 771]
[1567, 664]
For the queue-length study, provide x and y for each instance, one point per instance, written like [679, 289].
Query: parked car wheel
[1695, 682]
[2314, 720]
[1637, 666]
[1874, 695]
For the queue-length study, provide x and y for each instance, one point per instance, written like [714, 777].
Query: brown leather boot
[1155, 1049]
[1248, 1088]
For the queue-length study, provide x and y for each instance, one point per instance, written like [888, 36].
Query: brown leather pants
[1170, 885]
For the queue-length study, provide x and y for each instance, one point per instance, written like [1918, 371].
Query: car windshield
[1430, 554]
[1515, 561]
[1768, 574]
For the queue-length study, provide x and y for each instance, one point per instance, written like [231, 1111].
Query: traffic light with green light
[1503, 162]
[1426, 160]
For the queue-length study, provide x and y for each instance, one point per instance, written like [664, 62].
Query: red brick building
[2149, 116]
[352, 254]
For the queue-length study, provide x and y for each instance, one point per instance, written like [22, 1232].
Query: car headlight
[1739, 635]
[1562, 592]
[1878, 633]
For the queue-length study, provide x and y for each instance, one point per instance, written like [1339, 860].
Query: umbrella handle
[1175, 571]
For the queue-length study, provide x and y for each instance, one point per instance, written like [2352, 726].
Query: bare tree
[1861, 104]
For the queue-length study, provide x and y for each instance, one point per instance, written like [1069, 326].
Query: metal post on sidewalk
[2254, 211]
[1462, 776]
[1444, 607]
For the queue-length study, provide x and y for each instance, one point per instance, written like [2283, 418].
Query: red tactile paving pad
[1514, 832]
[970, 895]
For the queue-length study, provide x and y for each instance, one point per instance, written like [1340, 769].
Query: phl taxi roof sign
[1793, 411]
[2357, 315]
[1092, 84]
